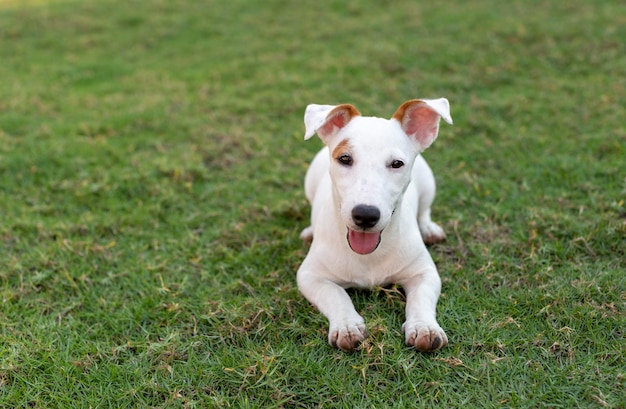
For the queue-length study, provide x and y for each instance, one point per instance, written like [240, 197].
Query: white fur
[403, 197]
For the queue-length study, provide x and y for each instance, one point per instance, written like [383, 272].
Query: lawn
[151, 167]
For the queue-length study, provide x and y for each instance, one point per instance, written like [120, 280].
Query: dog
[371, 193]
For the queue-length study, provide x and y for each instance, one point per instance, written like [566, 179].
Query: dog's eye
[345, 160]
[397, 164]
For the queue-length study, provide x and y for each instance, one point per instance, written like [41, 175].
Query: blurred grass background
[151, 166]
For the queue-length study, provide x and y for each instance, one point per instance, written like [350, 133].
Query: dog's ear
[327, 120]
[419, 119]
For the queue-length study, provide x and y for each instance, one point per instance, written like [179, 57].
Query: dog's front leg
[421, 329]
[346, 328]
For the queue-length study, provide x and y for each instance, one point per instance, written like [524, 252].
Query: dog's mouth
[362, 242]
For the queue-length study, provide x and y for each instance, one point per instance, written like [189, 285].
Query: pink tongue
[363, 243]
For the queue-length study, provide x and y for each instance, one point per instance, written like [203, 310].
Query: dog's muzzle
[365, 217]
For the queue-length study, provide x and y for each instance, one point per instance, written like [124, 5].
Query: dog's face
[372, 160]
[370, 167]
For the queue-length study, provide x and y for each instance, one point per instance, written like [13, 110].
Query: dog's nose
[365, 216]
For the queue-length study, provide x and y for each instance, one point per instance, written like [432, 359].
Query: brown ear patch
[338, 118]
[401, 111]
[419, 121]
[412, 114]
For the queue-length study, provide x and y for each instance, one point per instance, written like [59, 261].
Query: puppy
[371, 192]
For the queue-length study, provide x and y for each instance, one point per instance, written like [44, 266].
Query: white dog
[371, 194]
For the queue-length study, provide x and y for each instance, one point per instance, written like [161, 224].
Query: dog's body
[371, 193]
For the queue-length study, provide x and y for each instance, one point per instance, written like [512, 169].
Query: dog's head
[372, 160]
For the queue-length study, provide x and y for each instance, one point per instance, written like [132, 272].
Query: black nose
[365, 216]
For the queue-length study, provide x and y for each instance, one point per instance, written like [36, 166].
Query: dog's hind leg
[426, 188]
[307, 234]
[316, 173]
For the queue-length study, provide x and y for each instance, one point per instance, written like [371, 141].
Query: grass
[151, 163]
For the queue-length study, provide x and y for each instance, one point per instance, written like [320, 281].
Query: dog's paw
[347, 336]
[424, 337]
[431, 232]
[307, 234]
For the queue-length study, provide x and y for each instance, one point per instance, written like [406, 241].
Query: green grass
[151, 166]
